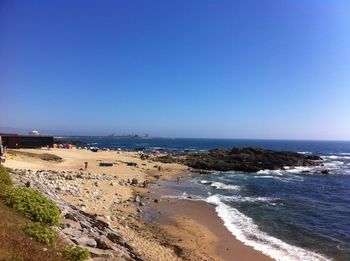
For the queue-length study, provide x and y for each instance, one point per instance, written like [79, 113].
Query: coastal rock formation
[247, 159]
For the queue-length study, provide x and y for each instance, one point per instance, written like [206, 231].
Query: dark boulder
[246, 159]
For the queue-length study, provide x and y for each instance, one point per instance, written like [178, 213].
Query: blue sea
[286, 214]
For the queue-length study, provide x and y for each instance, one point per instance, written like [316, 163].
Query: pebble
[137, 199]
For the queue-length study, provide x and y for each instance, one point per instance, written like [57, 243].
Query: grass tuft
[75, 253]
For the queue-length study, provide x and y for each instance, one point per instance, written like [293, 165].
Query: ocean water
[286, 214]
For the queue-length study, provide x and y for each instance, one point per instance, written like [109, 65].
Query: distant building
[34, 132]
[17, 141]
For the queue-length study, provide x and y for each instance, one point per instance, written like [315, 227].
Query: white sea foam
[183, 196]
[304, 152]
[264, 177]
[333, 157]
[238, 198]
[300, 169]
[290, 178]
[269, 171]
[245, 230]
[333, 164]
[220, 185]
[283, 178]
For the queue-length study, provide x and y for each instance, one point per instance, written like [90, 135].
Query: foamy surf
[245, 199]
[333, 157]
[269, 171]
[219, 185]
[345, 154]
[245, 230]
[304, 152]
[183, 196]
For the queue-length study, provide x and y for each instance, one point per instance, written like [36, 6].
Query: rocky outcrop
[247, 159]
[77, 226]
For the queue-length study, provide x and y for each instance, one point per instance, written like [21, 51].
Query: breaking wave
[333, 157]
[304, 152]
[245, 230]
[219, 185]
[183, 196]
[246, 199]
[268, 171]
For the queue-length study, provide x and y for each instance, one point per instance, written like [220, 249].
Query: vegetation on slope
[5, 181]
[40, 233]
[33, 205]
[17, 232]
[75, 253]
[42, 156]
[15, 244]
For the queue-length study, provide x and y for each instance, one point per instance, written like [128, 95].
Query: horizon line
[208, 138]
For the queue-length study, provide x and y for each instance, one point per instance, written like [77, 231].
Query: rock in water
[325, 172]
[247, 159]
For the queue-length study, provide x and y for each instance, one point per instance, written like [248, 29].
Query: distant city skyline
[58, 133]
[207, 69]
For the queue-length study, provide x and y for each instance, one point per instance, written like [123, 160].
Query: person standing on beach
[86, 165]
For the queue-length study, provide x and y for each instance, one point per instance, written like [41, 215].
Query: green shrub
[5, 181]
[75, 253]
[33, 205]
[5, 177]
[40, 233]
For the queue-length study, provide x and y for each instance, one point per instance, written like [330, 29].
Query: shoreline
[186, 220]
[124, 205]
[190, 224]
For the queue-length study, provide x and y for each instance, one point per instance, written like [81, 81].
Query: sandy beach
[172, 229]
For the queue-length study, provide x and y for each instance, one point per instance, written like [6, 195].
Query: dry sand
[187, 230]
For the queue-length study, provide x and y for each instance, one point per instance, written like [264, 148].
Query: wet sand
[194, 225]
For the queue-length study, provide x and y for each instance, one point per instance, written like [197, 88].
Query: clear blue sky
[226, 69]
